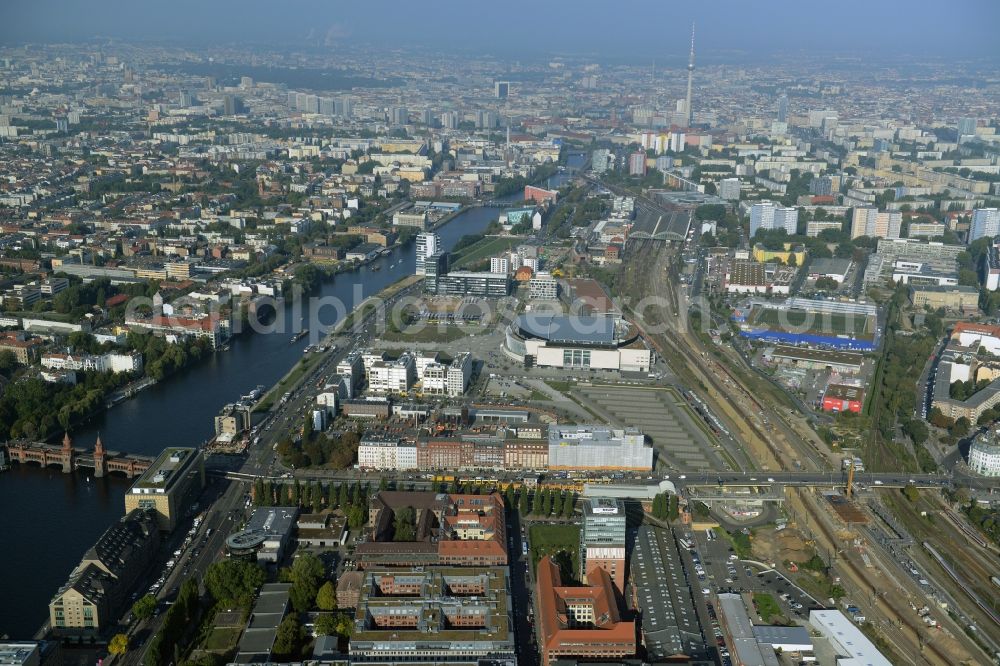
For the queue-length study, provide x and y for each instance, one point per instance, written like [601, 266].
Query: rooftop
[16, 654]
[579, 329]
[846, 638]
[168, 467]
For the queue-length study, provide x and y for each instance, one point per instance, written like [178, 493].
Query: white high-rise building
[729, 189]
[869, 221]
[985, 223]
[428, 243]
[766, 215]
[499, 265]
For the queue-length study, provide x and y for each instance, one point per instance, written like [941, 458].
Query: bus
[524, 548]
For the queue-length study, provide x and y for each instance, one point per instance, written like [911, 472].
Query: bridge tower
[67, 454]
[100, 466]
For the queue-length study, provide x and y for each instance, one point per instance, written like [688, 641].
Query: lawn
[559, 385]
[301, 368]
[223, 639]
[741, 544]
[428, 333]
[553, 539]
[767, 607]
[487, 247]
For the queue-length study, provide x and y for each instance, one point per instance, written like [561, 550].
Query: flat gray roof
[777, 635]
[829, 265]
[168, 467]
[581, 329]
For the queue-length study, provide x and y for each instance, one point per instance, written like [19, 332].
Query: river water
[50, 518]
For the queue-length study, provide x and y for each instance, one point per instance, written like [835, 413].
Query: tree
[569, 504]
[961, 427]
[660, 506]
[7, 362]
[289, 639]
[306, 573]
[144, 607]
[317, 497]
[916, 429]
[118, 645]
[937, 418]
[233, 581]
[536, 503]
[522, 502]
[404, 524]
[326, 625]
[911, 492]
[557, 503]
[326, 598]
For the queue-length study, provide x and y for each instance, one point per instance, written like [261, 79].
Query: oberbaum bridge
[71, 458]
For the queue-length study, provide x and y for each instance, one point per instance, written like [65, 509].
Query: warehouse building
[660, 590]
[851, 646]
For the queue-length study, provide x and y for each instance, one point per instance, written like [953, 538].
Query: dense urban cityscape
[365, 350]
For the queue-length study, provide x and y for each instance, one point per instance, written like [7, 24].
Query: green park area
[483, 249]
[561, 542]
[767, 607]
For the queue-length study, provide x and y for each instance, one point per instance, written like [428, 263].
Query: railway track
[710, 375]
[714, 375]
[859, 574]
[962, 583]
[972, 535]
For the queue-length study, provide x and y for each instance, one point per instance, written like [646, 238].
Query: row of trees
[545, 503]
[165, 647]
[665, 507]
[352, 499]
[894, 398]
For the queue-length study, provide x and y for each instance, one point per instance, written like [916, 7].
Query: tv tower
[687, 104]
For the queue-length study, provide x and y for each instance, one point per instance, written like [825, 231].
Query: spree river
[51, 518]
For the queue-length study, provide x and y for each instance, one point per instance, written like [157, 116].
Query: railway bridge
[70, 458]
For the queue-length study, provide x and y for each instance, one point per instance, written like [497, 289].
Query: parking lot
[660, 412]
[719, 569]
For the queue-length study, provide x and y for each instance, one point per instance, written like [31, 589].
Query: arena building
[591, 342]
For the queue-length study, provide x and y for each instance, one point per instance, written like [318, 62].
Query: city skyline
[594, 28]
[535, 333]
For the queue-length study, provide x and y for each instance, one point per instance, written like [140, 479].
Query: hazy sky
[604, 27]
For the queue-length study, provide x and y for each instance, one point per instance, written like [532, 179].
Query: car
[705, 590]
